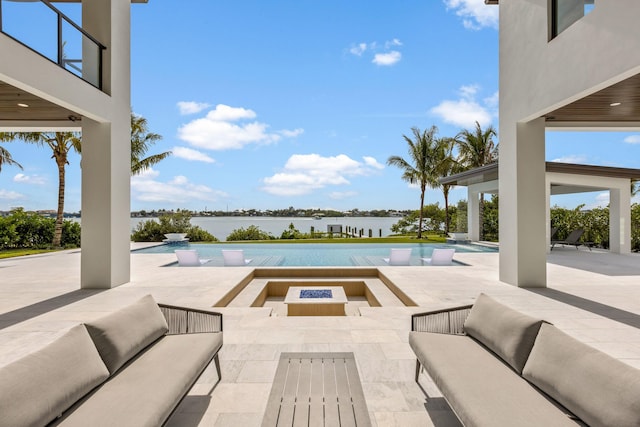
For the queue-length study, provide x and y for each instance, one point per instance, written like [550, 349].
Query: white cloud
[632, 139]
[191, 155]
[572, 158]
[382, 53]
[493, 100]
[465, 111]
[29, 179]
[370, 161]
[358, 49]
[387, 59]
[147, 188]
[475, 14]
[291, 133]
[341, 195]
[190, 107]
[391, 43]
[601, 201]
[304, 173]
[218, 130]
[10, 195]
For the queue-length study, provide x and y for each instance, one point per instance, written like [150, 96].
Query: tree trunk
[57, 231]
[445, 193]
[421, 205]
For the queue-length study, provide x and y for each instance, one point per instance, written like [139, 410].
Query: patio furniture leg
[217, 362]
[417, 369]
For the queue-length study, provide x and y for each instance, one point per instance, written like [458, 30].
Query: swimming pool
[313, 254]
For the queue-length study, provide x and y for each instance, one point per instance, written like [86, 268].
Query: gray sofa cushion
[507, 332]
[145, 391]
[122, 334]
[599, 389]
[39, 387]
[481, 388]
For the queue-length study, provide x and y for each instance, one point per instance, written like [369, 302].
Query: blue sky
[267, 105]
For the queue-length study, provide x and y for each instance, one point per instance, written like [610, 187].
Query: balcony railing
[47, 31]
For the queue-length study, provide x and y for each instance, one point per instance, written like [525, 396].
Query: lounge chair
[399, 257]
[440, 256]
[234, 257]
[189, 258]
[573, 239]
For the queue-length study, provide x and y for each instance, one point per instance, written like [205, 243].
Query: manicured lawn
[10, 253]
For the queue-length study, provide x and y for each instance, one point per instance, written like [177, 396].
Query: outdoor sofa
[498, 367]
[130, 368]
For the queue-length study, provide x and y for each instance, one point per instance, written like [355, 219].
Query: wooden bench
[316, 389]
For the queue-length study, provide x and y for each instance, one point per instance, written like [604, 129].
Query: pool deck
[593, 296]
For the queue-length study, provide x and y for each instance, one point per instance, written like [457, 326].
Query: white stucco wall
[536, 77]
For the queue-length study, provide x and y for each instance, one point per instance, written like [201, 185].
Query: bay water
[222, 226]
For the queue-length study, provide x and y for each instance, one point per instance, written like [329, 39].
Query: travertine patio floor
[594, 296]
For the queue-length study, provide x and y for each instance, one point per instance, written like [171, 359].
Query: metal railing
[44, 29]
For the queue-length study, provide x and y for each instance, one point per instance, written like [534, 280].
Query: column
[106, 154]
[620, 219]
[523, 260]
[473, 215]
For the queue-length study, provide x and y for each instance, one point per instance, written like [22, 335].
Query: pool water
[313, 254]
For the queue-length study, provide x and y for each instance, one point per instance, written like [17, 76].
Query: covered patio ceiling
[19, 105]
[489, 173]
[618, 103]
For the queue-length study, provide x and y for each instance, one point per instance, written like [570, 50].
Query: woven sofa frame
[182, 320]
[446, 321]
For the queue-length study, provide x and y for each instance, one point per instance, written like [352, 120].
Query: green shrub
[250, 233]
[178, 222]
[293, 233]
[29, 230]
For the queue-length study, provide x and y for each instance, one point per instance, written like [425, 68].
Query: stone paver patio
[594, 296]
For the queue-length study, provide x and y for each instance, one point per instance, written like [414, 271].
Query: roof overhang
[489, 174]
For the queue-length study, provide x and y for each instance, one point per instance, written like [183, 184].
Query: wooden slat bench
[316, 389]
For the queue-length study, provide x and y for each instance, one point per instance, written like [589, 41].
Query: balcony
[47, 31]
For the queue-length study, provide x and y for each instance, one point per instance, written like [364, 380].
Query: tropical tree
[6, 159]
[447, 165]
[424, 165]
[477, 148]
[141, 142]
[60, 143]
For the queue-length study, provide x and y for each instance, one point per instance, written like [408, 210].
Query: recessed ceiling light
[615, 104]
[23, 105]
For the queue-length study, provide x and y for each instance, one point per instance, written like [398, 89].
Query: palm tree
[60, 143]
[448, 165]
[6, 159]
[141, 141]
[477, 148]
[63, 142]
[424, 164]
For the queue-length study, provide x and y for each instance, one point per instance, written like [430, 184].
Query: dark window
[565, 12]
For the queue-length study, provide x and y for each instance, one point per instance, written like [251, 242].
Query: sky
[267, 105]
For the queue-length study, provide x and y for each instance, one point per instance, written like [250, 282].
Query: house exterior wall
[106, 160]
[538, 75]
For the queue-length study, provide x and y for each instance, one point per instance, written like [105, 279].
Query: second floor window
[565, 12]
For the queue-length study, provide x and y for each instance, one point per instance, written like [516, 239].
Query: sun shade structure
[561, 178]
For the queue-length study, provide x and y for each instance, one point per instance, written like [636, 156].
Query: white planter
[175, 236]
[459, 236]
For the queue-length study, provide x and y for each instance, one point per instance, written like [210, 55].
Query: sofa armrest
[182, 320]
[447, 321]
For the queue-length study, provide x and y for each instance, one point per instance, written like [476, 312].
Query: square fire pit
[315, 301]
